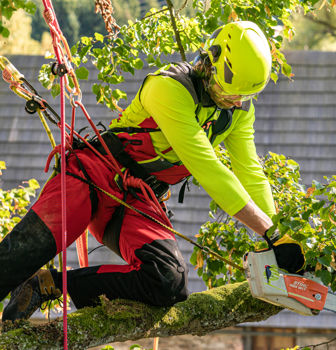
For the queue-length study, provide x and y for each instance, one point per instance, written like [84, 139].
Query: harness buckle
[159, 188]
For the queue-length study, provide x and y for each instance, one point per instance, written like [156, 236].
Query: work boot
[30, 295]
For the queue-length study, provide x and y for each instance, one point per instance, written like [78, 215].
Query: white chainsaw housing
[272, 288]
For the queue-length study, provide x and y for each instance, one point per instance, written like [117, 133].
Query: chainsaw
[305, 294]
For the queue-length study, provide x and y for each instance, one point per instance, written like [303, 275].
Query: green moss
[121, 320]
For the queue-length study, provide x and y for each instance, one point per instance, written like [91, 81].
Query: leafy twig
[154, 13]
[183, 6]
[316, 345]
[177, 34]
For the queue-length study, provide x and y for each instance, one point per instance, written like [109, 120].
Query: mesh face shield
[222, 98]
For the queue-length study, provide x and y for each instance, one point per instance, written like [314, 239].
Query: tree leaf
[118, 94]
[286, 69]
[324, 260]
[86, 40]
[318, 185]
[99, 37]
[55, 90]
[82, 73]
[138, 63]
[199, 260]
[33, 184]
[2, 165]
[325, 276]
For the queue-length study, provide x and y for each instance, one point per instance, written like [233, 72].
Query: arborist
[166, 134]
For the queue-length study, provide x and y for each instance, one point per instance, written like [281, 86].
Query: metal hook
[73, 100]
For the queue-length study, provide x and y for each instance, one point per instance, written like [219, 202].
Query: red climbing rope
[64, 216]
[57, 37]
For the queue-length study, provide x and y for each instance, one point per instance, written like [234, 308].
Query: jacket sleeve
[244, 159]
[173, 109]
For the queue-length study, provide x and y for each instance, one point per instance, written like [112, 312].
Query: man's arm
[245, 161]
[176, 119]
[254, 218]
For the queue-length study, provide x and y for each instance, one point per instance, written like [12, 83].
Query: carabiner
[72, 98]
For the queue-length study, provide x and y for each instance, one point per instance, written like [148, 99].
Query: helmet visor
[224, 99]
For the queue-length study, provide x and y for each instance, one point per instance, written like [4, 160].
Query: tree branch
[183, 6]
[329, 27]
[122, 320]
[177, 34]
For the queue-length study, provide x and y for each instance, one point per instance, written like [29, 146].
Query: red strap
[82, 249]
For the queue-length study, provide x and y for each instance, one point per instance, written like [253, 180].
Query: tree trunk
[121, 320]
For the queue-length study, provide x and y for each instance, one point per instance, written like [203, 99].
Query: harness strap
[133, 130]
[112, 231]
[182, 190]
[93, 193]
[117, 149]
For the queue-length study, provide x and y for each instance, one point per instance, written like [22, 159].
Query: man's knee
[168, 283]
[174, 287]
[164, 272]
[169, 286]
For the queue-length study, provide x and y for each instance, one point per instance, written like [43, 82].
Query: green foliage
[13, 205]
[307, 215]
[8, 7]
[152, 39]
[314, 30]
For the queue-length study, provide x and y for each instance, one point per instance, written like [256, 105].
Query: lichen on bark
[121, 320]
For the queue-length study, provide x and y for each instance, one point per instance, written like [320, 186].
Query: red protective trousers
[155, 272]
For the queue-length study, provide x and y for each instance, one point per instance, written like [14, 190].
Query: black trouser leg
[160, 280]
[23, 251]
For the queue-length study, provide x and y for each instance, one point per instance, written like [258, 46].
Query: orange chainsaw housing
[306, 291]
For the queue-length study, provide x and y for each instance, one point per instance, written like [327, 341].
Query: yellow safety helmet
[240, 57]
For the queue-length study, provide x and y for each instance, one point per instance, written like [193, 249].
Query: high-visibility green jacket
[174, 101]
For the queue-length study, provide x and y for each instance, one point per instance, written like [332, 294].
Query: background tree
[20, 41]
[315, 30]
[8, 7]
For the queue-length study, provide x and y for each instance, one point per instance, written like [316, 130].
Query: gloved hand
[288, 252]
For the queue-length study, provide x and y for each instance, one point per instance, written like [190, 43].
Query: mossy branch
[122, 320]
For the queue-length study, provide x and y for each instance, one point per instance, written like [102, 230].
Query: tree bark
[121, 320]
